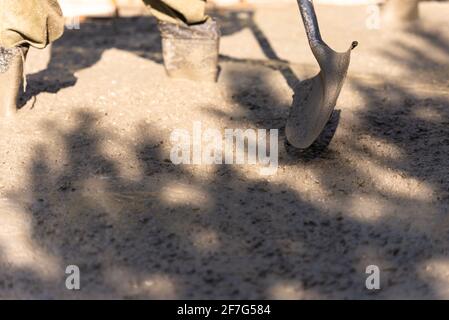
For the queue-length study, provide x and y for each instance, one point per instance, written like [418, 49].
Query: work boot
[191, 52]
[11, 74]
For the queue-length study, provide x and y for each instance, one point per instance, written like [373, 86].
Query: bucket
[191, 52]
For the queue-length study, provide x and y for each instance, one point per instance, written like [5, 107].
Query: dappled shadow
[232, 21]
[224, 236]
[412, 114]
[309, 232]
[82, 48]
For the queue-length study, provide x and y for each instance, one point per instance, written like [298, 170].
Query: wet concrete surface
[87, 179]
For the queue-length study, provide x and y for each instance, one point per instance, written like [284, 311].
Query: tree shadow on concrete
[82, 48]
[169, 233]
[412, 116]
[232, 21]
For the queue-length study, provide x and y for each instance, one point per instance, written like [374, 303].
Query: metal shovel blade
[314, 99]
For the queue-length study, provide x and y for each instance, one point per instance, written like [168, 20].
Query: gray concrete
[86, 178]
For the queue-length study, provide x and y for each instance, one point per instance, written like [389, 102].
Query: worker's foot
[11, 74]
[191, 52]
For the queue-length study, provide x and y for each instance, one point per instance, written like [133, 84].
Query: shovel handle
[310, 20]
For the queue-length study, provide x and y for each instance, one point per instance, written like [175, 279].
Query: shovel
[314, 99]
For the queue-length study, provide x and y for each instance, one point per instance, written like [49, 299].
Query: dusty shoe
[191, 52]
[11, 74]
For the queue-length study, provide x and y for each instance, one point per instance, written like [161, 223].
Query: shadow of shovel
[314, 99]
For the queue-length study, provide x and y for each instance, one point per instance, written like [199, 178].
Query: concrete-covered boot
[11, 74]
[191, 51]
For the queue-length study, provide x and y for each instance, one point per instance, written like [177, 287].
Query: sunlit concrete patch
[381, 148]
[17, 246]
[397, 183]
[114, 148]
[290, 290]
[428, 114]
[379, 174]
[140, 285]
[176, 193]
[372, 208]
[368, 208]
[206, 240]
[251, 49]
[37, 60]
[436, 272]
[159, 286]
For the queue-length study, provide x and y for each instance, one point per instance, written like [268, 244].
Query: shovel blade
[314, 99]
